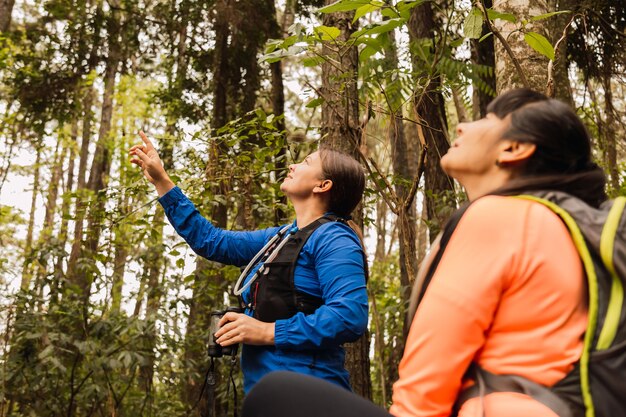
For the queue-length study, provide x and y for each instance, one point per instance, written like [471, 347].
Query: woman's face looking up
[476, 149]
[303, 177]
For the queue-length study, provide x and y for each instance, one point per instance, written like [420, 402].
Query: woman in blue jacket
[298, 313]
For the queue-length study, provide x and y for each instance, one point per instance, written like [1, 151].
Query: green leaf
[548, 15]
[493, 15]
[313, 61]
[343, 6]
[327, 33]
[473, 25]
[540, 44]
[406, 5]
[366, 53]
[368, 8]
[389, 12]
[388, 26]
[314, 103]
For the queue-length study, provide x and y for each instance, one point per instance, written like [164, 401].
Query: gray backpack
[596, 387]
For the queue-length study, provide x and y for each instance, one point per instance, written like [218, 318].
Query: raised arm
[147, 158]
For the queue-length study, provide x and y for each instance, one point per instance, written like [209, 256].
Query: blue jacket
[330, 266]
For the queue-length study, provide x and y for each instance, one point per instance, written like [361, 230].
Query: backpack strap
[616, 299]
[487, 383]
[592, 281]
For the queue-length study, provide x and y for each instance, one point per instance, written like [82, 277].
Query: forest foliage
[103, 309]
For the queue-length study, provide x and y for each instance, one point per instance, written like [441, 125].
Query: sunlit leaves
[327, 33]
[473, 25]
[344, 6]
[540, 44]
[548, 15]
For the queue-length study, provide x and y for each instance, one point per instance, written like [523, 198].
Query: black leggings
[288, 394]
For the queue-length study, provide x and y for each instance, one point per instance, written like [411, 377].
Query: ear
[323, 187]
[515, 152]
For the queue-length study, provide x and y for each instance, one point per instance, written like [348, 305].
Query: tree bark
[6, 10]
[432, 122]
[533, 64]
[562, 87]
[65, 213]
[27, 269]
[208, 274]
[610, 138]
[340, 130]
[483, 54]
[278, 106]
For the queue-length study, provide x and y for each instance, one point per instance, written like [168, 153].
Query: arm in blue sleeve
[338, 258]
[208, 241]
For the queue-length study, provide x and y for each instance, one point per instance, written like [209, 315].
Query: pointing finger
[146, 140]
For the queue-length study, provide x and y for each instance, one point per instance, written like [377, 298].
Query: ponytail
[355, 227]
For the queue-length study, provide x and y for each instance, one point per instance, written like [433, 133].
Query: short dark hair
[563, 146]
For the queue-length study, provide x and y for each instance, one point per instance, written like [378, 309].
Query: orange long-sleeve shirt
[509, 294]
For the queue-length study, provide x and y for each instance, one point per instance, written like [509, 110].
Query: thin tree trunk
[6, 10]
[47, 231]
[121, 251]
[65, 214]
[381, 231]
[81, 189]
[431, 115]
[206, 273]
[483, 54]
[27, 268]
[556, 25]
[610, 138]
[10, 140]
[340, 130]
[278, 100]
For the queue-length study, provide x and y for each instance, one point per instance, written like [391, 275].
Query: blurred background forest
[103, 310]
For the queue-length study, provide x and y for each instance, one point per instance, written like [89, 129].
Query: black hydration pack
[274, 295]
[596, 387]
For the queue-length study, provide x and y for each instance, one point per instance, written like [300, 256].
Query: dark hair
[562, 159]
[348, 181]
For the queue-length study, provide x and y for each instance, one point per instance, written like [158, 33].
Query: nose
[292, 167]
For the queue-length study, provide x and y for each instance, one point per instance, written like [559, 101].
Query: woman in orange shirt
[508, 292]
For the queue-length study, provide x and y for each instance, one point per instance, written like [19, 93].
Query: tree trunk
[610, 138]
[340, 130]
[381, 231]
[561, 87]
[81, 183]
[533, 64]
[46, 235]
[65, 214]
[278, 107]
[121, 252]
[99, 173]
[207, 274]
[432, 122]
[27, 269]
[404, 154]
[81, 188]
[6, 10]
[483, 54]
[155, 255]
